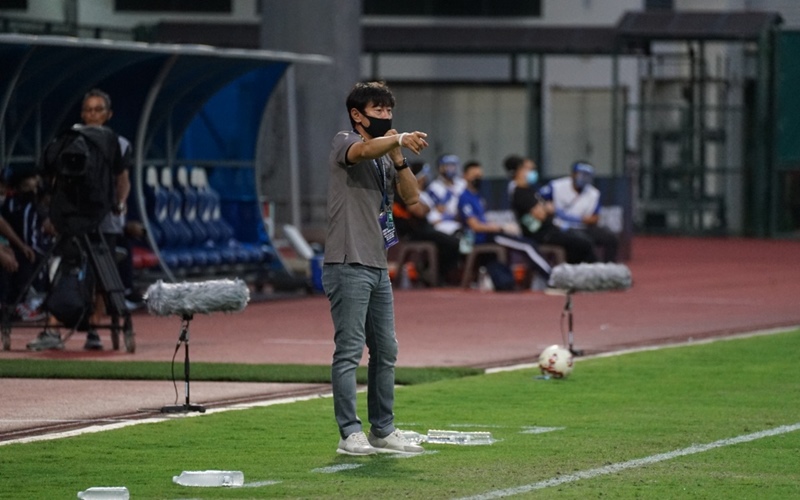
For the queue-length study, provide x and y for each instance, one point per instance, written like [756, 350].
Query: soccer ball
[556, 361]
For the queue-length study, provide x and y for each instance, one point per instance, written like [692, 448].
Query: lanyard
[381, 170]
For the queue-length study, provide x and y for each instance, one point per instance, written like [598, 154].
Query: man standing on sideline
[96, 111]
[366, 165]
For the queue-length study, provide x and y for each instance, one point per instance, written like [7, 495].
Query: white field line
[136, 421]
[336, 468]
[259, 484]
[540, 430]
[632, 464]
[621, 352]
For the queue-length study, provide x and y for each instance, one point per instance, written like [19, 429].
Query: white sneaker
[46, 340]
[394, 443]
[356, 444]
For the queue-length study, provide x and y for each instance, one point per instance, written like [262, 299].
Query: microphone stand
[568, 313]
[184, 338]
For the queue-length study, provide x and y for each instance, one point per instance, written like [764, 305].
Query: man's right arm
[379, 146]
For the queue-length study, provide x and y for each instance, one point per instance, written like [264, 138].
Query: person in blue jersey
[366, 167]
[577, 207]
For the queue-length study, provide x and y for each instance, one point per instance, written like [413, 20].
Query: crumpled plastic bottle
[458, 437]
[105, 493]
[210, 478]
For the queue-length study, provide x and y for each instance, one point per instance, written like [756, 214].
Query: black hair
[512, 163]
[363, 93]
[471, 164]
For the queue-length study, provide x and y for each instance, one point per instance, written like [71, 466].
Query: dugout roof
[155, 87]
[156, 90]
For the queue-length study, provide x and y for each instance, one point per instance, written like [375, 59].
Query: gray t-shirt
[355, 199]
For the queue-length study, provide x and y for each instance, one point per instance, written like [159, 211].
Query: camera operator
[115, 155]
[96, 111]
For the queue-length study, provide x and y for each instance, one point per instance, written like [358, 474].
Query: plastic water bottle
[484, 280]
[467, 242]
[209, 478]
[105, 493]
[457, 437]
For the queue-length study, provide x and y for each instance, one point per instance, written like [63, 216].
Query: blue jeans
[362, 309]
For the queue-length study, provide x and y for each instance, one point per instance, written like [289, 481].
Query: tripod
[184, 338]
[110, 284]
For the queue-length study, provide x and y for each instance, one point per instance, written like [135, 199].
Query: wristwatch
[120, 207]
[402, 165]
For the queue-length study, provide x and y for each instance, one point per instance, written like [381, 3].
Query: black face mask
[378, 126]
[476, 183]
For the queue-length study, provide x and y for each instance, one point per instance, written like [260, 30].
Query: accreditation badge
[386, 220]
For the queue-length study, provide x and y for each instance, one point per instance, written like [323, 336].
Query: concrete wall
[102, 13]
[332, 30]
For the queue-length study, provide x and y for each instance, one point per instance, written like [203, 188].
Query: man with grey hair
[96, 111]
[115, 154]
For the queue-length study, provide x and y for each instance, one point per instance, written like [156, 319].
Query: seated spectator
[8, 261]
[444, 192]
[577, 207]
[412, 224]
[512, 163]
[473, 214]
[22, 225]
[535, 216]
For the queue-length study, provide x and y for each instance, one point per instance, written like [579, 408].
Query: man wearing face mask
[512, 164]
[473, 215]
[366, 168]
[444, 191]
[535, 215]
[577, 207]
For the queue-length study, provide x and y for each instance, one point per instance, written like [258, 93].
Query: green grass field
[651, 405]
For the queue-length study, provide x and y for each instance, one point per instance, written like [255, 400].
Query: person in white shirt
[444, 192]
[577, 207]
